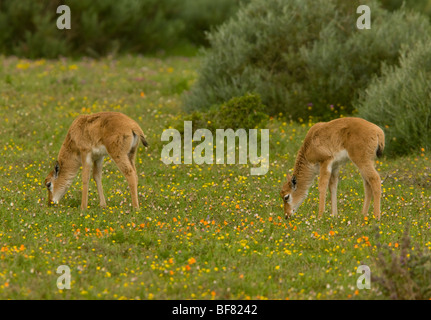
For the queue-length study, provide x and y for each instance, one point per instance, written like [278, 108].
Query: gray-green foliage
[304, 57]
[400, 101]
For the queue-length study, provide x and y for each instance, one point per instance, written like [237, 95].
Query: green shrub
[400, 102]
[304, 57]
[246, 112]
[405, 275]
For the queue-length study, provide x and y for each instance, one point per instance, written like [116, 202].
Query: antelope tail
[381, 145]
[138, 131]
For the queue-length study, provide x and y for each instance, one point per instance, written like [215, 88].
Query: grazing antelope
[326, 147]
[89, 139]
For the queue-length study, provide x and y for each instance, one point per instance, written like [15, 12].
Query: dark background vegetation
[101, 27]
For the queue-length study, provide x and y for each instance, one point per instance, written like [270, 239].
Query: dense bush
[304, 57]
[246, 112]
[99, 27]
[400, 102]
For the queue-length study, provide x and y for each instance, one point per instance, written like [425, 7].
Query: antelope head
[55, 189]
[287, 193]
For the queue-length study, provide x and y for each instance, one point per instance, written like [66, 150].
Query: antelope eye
[48, 185]
[286, 197]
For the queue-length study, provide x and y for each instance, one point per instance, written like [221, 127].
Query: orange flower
[98, 232]
[192, 260]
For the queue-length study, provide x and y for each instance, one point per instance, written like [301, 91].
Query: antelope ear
[294, 183]
[56, 169]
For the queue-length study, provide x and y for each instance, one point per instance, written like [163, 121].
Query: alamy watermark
[364, 20]
[204, 151]
[63, 21]
[63, 281]
[364, 281]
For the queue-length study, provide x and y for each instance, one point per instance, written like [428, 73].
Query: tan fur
[89, 139]
[326, 147]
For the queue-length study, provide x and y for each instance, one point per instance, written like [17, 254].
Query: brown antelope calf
[326, 147]
[89, 139]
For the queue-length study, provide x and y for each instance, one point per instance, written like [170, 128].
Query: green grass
[203, 232]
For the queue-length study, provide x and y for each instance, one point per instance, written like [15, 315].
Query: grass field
[203, 231]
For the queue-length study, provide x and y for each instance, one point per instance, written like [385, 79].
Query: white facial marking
[54, 199]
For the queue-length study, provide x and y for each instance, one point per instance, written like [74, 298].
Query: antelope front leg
[333, 183]
[325, 174]
[85, 180]
[97, 176]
